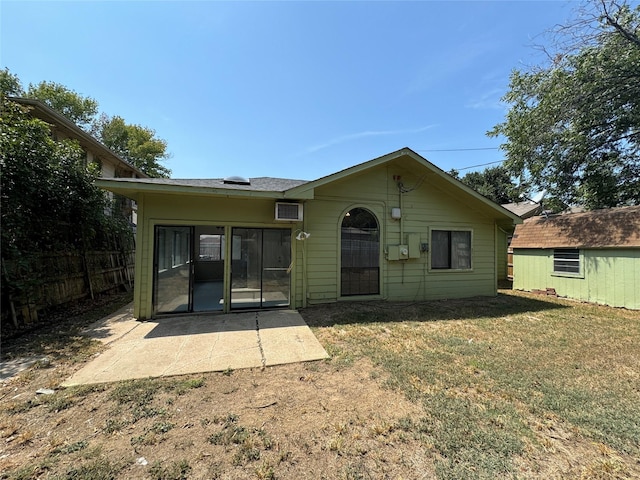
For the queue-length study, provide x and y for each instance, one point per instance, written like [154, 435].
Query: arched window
[360, 257]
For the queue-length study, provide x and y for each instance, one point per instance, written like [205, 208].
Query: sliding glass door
[208, 269]
[173, 263]
[189, 273]
[260, 267]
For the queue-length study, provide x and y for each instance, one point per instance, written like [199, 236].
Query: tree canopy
[80, 110]
[136, 144]
[495, 183]
[10, 84]
[48, 198]
[573, 126]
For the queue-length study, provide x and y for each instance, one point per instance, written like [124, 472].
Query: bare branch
[611, 20]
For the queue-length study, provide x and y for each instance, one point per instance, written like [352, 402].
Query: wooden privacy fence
[510, 264]
[32, 284]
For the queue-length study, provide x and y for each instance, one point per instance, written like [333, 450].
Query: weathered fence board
[53, 279]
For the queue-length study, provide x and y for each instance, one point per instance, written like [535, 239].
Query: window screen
[450, 249]
[566, 261]
[360, 253]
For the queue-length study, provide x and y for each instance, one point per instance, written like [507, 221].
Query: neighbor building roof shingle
[614, 227]
[523, 209]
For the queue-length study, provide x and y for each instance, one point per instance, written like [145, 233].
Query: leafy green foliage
[573, 127]
[10, 84]
[49, 201]
[494, 183]
[80, 110]
[135, 143]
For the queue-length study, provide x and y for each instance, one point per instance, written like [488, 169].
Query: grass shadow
[349, 313]
[60, 330]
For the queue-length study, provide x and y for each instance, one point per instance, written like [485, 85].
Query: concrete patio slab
[296, 345]
[196, 344]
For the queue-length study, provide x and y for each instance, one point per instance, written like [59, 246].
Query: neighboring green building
[591, 256]
[393, 228]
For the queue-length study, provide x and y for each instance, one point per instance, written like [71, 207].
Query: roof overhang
[135, 188]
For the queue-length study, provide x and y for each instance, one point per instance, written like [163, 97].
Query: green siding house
[393, 228]
[591, 256]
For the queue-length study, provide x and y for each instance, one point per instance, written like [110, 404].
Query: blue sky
[287, 89]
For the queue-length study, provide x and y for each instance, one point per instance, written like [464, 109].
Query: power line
[467, 150]
[460, 149]
[481, 165]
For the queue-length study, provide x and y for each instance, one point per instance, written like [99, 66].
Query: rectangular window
[566, 261]
[450, 250]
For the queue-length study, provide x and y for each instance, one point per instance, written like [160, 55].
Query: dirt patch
[333, 419]
[295, 421]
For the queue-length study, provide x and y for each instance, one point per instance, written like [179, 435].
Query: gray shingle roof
[523, 209]
[259, 184]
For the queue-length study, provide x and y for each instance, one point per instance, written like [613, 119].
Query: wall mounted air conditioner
[288, 212]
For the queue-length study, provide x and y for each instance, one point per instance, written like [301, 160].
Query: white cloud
[488, 100]
[368, 133]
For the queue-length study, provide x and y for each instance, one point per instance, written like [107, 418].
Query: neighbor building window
[566, 260]
[360, 257]
[451, 249]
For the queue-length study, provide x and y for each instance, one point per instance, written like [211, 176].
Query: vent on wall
[288, 212]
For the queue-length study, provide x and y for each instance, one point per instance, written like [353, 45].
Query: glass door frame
[156, 264]
[238, 249]
[287, 255]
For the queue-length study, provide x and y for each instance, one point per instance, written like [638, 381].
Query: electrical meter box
[413, 242]
[397, 252]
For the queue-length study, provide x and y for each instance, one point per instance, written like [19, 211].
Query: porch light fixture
[302, 235]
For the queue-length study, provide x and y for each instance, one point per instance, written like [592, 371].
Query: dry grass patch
[508, 387]
[500, 378]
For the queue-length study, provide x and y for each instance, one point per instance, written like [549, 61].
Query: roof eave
[134, 189]
[308, 189]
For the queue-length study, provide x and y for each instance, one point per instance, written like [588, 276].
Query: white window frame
[579, 261]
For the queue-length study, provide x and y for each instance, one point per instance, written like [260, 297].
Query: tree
[135, 143]
[50, 205]
[10, 84]
[494, 183]
[573, 127]
[80, 110]
[48, 198]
